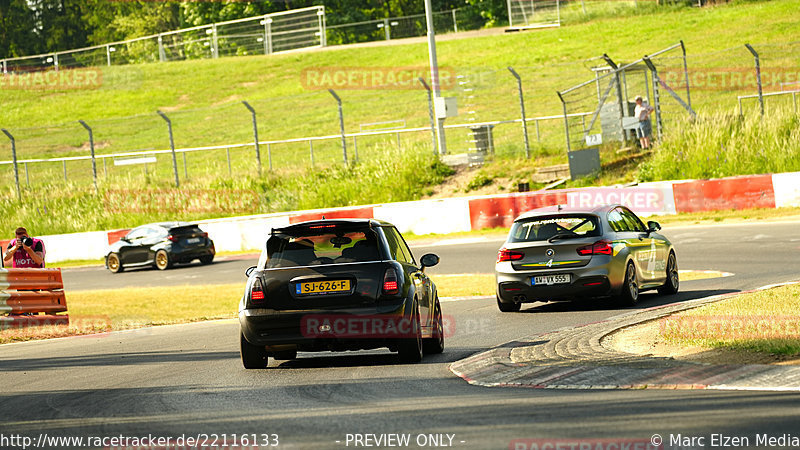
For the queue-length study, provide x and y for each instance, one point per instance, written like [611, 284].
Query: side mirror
[125, 239]
[429, 260]
[653, 226]
[249, 271]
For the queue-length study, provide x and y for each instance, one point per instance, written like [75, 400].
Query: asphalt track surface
[188, 379]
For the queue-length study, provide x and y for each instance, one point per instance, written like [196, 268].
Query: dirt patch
[457, 185]
[644, 340]
[182, 102]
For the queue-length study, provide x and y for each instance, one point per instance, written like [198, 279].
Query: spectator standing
[24, 251]
[645, 129]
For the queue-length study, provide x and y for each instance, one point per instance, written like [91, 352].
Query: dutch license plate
[193, 240]
[550, 280]
[322, 287]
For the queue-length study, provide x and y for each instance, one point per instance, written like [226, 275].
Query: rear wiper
[562, 236]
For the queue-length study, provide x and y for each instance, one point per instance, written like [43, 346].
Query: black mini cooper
[334, 285]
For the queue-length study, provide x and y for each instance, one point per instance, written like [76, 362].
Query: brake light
[390, 284]
[602, 247]
[508, 255]
[205, 235]
[257, 293]
[317, 227]
[172, 238]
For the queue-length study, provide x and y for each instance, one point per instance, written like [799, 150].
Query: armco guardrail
[32, 297]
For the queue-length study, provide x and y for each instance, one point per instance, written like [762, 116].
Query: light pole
[437, 93]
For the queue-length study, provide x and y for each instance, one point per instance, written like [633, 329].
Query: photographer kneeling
[25, 251]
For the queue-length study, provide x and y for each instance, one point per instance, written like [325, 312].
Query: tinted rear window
[309, 247]
[192, 229]
[543, 228]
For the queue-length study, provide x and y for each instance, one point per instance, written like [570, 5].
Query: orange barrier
[26, 293]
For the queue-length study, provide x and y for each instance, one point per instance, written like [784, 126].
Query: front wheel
[113, 263]
[253, 356]
[435, 344]
[670, 286]
[163, 261]
[630, 287]
[410, 348]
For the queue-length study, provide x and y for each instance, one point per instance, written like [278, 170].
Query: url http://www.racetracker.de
[200, 441]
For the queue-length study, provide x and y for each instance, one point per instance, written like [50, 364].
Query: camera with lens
[28, 241]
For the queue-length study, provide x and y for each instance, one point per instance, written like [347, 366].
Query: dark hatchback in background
[160, 245]
[335, 285]
[559, 253]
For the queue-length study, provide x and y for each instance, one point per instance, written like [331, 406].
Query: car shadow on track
[326, 360]
[646, 300]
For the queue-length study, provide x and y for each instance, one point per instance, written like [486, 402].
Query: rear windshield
[188, 229]
[310, 247]
[543, 228]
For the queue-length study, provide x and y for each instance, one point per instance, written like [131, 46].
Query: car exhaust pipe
[520, 299]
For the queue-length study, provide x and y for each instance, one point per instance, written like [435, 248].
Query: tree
[17, 36]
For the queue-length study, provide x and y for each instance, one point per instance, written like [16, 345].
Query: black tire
[205, 260]
[630, 287]
[162, 260]
[435, 344]
[410, 349]
[253, 356]
[113, 263]
[672, 284]
[285, 355]
[508, 307]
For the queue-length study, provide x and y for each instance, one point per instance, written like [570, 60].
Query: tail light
[172, 238]
[598, 248]
[205, 235]
[508, 255]
[390, 283]
[257, 292]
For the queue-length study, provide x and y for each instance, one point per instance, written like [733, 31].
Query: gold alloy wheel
[162, 260]
[113, 262]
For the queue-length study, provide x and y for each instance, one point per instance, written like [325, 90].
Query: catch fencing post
[455, 23]
[430, 113]
[14, 158]
[566, 120]
[522, 108]
[255, 137]
[341, 125]
[758, 76]
[614, 66]
[686, 76]
[64, 166]
[91, 148]
[172, 147]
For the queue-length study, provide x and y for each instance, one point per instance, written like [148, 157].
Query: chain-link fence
[524, 14]
[741, 80]
[303, 130]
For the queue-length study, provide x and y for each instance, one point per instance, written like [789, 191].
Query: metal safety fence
[270, 33]
[260, 35]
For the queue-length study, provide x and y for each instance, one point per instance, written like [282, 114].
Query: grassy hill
[203, 99]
